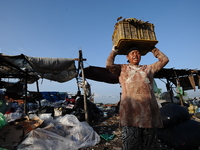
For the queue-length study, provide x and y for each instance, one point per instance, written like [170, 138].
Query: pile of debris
[64, 132]
[42, 127]
[68, 132]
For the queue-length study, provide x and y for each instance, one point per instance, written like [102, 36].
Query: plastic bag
[3, 121]
[181, 136]
[12, 116]
[82, 134]
[173, 113]
[107, 136]
[65, 133]
[45, 116]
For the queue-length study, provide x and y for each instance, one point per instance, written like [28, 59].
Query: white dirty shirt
[138, 105]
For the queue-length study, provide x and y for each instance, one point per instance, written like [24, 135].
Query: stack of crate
[134, 33]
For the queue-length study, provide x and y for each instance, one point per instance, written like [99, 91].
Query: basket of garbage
[134, 33]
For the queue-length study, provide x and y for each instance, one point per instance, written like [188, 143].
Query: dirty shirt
[138, 105]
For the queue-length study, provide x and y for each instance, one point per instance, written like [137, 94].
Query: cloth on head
[131, 49]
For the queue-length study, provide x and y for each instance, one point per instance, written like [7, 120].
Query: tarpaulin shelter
[100, 74]
[30, 69]
[186, 78]
[56, 69]
[184, 75]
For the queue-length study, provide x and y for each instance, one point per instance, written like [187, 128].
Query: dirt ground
[110, 125]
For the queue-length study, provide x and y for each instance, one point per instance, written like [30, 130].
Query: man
[139, 112]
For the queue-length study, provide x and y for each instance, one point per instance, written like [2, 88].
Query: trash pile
[54, 125]
[180, 132]
[64, 132]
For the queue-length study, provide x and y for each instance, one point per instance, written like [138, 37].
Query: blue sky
[59, 28]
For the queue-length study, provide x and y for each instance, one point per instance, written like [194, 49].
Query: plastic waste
[107, 136]
[181, 136]
[173, 113]
[3, 121]
[45, 116]
[64, 133]
[12, 116]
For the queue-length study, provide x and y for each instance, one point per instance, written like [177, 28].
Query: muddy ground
[110, 125]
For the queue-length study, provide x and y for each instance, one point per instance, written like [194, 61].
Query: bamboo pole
[84, 87]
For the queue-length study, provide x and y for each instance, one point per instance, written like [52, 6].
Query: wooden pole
[25, 91]
[181, 99]
[180, 94]
[169, 90]
[84, 87]
[38, 92]
[178, 85]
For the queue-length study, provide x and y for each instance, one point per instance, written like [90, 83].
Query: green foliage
[159, 91]
[184, 95]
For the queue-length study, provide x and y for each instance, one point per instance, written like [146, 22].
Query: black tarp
[101, 74]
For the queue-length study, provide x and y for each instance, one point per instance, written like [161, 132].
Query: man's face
[134, 57]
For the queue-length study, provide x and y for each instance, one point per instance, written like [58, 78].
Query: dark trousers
[135, 138]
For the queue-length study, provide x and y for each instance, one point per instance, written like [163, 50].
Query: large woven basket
[134, 33]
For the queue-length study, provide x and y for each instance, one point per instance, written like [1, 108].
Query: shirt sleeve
[113, 68]
[162, 60]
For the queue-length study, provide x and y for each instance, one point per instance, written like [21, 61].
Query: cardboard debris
[30, 124]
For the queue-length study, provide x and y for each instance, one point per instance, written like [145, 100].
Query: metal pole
[84, 88]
